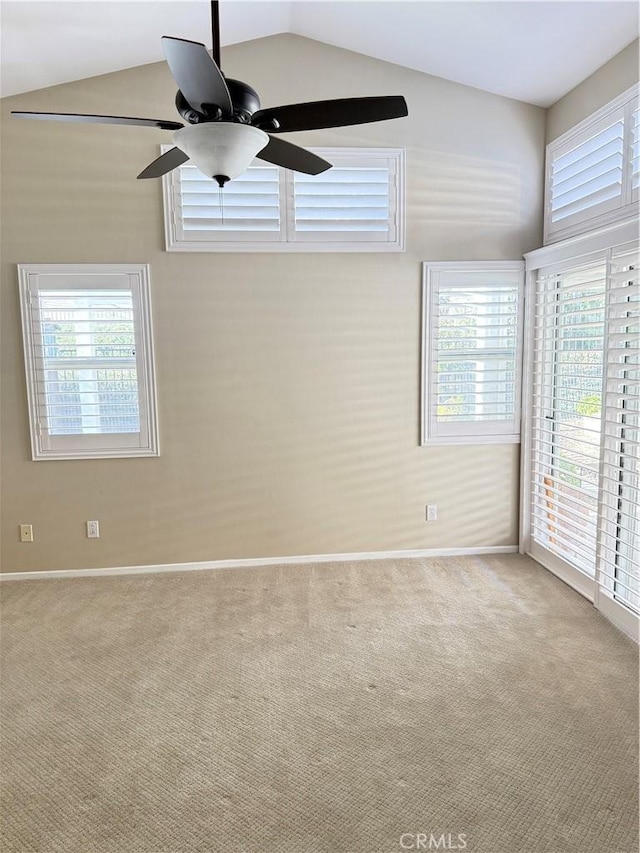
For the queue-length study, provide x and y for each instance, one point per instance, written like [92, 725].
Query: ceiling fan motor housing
[244, 98]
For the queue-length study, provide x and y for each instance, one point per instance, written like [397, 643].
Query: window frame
[621, 108]
[466, 432]
[32, 281]
[286, 239]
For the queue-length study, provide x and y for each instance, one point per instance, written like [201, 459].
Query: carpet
[470, 703]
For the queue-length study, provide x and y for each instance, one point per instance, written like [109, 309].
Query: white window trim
[101, 445]
[577, 249]
[287, 241]
[481, 433]
[624, 103]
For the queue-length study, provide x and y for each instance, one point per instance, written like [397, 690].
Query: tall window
[356, 206]
[568, 373]
[581, 455]
[89, 360]
[585, 435]
[471, 352]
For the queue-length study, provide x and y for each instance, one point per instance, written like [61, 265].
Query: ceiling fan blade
[197, 75]
[91, 119]
[338, 113]
[291, 156]
[166, 162]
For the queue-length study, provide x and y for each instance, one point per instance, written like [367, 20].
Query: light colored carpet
[331, 708]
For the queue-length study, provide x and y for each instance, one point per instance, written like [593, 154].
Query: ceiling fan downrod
[215, 32]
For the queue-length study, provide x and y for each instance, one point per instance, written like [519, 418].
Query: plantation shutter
[585, 440]
[473, 352]
[619, 552]
[356, 206]
[88, 359]
[347, 202]
[568, 370]
[247, 207]
[86, 362]
[593, 170]
[585, 180]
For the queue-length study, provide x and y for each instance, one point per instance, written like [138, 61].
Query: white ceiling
[532, 51]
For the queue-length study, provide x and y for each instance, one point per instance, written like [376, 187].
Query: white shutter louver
[472, 342]
[89, 360]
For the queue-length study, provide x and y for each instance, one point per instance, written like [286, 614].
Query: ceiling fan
[225, 127]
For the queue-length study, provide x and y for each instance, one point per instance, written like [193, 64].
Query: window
[89, 360]
[568, 372]
[592, 171]
[471, 344]
[582, 453]
[358, 205]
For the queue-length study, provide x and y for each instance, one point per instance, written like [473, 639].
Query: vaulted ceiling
[531, 51]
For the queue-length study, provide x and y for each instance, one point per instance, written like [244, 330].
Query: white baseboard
[255, 561]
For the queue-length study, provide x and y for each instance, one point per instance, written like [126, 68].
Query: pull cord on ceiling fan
[226, 129]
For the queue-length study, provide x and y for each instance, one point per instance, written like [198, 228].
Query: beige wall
[617, 75]
[288, 384]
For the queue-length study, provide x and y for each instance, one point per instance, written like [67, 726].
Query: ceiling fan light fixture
[222, 150]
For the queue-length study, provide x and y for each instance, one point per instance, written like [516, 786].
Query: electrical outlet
[432, 512]
[93, 530]
[26, 533]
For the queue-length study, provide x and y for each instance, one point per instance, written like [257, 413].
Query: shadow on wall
[456, 188]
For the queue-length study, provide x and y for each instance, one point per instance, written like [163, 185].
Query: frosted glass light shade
[220, 149]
